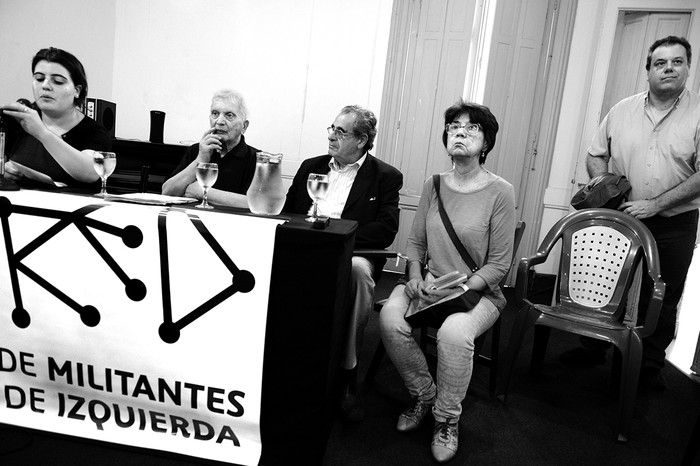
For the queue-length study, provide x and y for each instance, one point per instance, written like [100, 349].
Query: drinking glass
[207, 173]
[104, 163]
[316, 186]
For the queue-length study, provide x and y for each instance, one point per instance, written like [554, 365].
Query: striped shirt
[340, 182]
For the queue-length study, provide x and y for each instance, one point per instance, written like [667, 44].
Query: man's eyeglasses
[338, 132]
[471, 128]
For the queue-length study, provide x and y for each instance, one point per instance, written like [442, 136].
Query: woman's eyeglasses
[471, 128]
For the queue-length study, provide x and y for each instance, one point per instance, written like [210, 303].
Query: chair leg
[616, 372]
[539, 347]
[631, 365]
[526, 318]
[376, 361]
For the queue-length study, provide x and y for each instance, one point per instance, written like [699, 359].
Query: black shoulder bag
[607, 191]
[435, 315]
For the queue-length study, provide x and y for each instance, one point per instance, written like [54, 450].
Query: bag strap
[450, 229]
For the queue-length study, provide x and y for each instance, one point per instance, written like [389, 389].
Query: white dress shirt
[340, 182]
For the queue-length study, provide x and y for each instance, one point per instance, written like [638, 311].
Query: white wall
[296, 62]
[83, 27]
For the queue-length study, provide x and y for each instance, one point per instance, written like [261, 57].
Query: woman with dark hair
[481, 207]
[56, 138]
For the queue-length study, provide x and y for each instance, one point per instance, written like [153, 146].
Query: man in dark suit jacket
[361, 188]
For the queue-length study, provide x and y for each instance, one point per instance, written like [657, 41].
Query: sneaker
[580, 357]
[445, 441]
[411, 418]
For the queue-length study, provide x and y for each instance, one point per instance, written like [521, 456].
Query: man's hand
[210, 142]
[11, 171]
[194, 190]
[640, 209]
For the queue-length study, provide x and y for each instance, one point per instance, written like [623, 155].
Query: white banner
[134, 324]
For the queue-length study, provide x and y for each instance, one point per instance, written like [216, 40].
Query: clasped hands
[423, 290]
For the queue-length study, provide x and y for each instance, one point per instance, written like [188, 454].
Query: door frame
[543, 132]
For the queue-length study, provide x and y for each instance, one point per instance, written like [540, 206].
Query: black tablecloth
[306, 322]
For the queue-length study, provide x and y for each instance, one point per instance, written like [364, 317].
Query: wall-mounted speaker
[157, 122]
[103, 112]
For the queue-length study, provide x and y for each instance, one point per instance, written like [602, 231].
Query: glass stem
[315, 215]
[206, 190]
[104, 185]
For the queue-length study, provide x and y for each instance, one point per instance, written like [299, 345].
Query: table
[303, 338]
[307, 318]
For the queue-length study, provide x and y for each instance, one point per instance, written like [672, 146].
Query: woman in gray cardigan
[481, 207]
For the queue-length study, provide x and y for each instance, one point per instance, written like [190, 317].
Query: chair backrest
[600, 252]
[519, 231]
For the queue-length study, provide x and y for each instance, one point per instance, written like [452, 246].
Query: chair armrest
[651, 316]
[522, 280]
[375, 253]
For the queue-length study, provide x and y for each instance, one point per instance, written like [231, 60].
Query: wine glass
[104, 163]
[316, 186]
[207, 173]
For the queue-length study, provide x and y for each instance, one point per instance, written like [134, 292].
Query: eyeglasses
[471, 128]
[338, 132]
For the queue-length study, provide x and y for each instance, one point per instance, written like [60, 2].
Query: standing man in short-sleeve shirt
[653, 139]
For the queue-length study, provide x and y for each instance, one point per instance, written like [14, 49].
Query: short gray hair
[235, 97]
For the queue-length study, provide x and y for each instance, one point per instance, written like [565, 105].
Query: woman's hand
[430, 295]
[27, 117]
[413, 287]
[418, 288]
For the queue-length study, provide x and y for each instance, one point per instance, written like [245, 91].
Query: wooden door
[512, 79]
[635, 32]
[426, 70]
